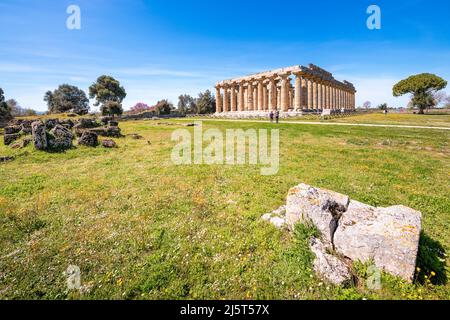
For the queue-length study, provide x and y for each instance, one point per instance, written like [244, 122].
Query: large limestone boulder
[13, 129]
[388, 236]
[320, 206]
[328, 266]
[60, 138]
[39, 135]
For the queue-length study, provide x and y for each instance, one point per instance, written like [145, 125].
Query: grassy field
[140, 227]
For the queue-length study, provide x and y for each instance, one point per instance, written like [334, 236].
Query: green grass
[140, 227]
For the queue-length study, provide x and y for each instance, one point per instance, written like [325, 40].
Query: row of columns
[277, 93]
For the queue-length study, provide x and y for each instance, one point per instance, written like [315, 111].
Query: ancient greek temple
[296, 89]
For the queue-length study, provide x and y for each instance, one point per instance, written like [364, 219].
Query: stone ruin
[352, 231]
[58, 134]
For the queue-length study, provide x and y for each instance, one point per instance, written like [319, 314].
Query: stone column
[298, 92]
[272, 94]
[241, 97]
[284, 93]
[265, 97]
[261, 94]
[218, 100]
[250, 95]
[233, 97]
[327, 96]
[255, 97]
[278, 98]
[319, 95]
[315, 94]
[304, 99]
[225, 99]
[310, 104]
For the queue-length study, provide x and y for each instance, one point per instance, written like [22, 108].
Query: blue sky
[160, 49]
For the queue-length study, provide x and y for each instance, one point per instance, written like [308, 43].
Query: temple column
[241, 97]
[310, 104]
[298, 92]
[233, 97]
[250, 96]
[218, 100]
[272, 94]
[327, 96]
[265, 97]
[261, 94]
[304, 98]
[225, 99]
[284, 94]
[315, 94]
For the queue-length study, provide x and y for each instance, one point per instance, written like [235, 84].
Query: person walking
[277, 116]
[271, 115]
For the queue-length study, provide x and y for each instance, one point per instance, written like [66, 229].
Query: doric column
[255, 97]
[233, 97]
[218, 100]
[272, 94]
[310, 104]
[325, 95]
[225, 99]
[319, 95]
[250, 95]
[304, 99]
[328, 95]
[298, 92]
[315, 94]
[261, 94]
[284, 93]
[265, 97]
[241, 97]
[278, 98]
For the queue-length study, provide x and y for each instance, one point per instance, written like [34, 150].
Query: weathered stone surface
[26, 126]
[51, 123]
[320, 206]
[276, 217]
[39, 135]
[6, 158]
[60, 138]
[87, 124]
[10, 138]
[389, 236]
[13, 129]
[328, 266]
[113, 123]
[135, 136]
[89, 139]
[105, 119]
[108, 143]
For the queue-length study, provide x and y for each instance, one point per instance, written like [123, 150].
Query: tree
[367, 105]
[383, 106]
[422, 87]
[106, 89]
[111, 108]
[163, 107]
[186, 104]
[439, 97]
[67, 98]
[5, 111]
[141, 107]
[206, 103]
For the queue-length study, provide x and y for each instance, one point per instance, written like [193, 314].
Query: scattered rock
[60, 138]
[113, 123]
[355, 231]
[320, 206]
[6, 158]
[10, 138]
[85, 123]
[26, 126]
[105, 120]
[72, 115]
[89, 139]
[389, 236]
[276, 217]
[51, 123]
[135, 136]
[328, 266]
[39, 135]
[13, 129]
[108, 143]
